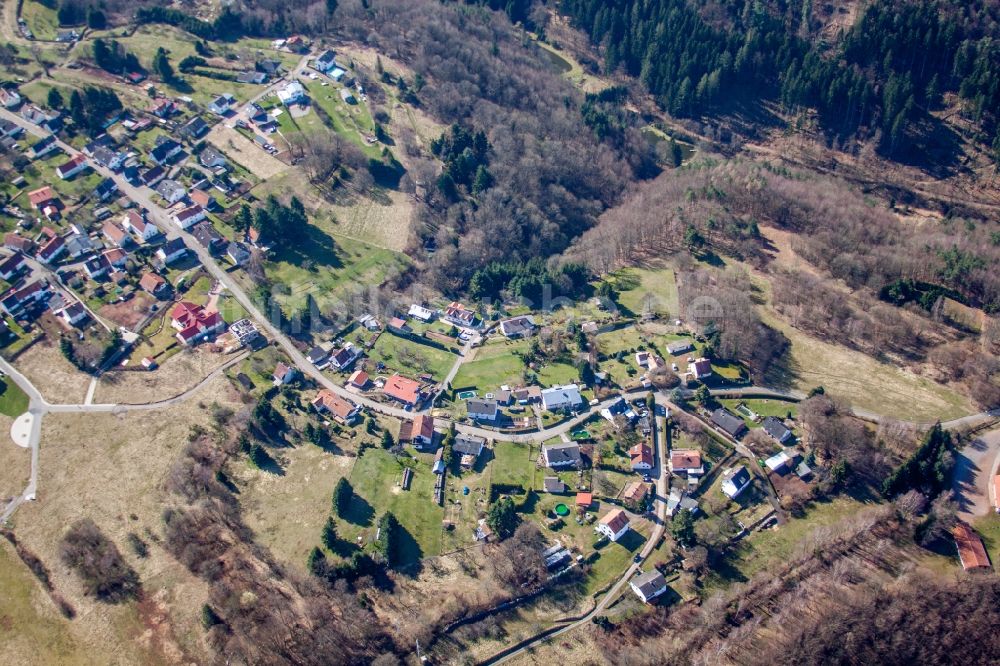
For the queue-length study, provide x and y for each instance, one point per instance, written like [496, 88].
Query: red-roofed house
[161, 108]
[194, 323]
[152, 283]
[42, 197]
[686, 461]
[18, 243]
[52, 250]
[970, 548]
[342, 410]
[614, 524]
[359, 379]
[700, 368]
[422, 431]
[115, 234]
[283, 374]
[117, 257]
[72, 167]
[134, 222]
[642, 456]
[402, 389]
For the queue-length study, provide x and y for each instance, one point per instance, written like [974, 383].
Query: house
[561, 397]
[457, 314]
[779, 463]
[642, 457]
[525, 395]
[614, 524]
[319, 357]
[116, 256]
[161, 108]
[18, 243]
[324, 62]
[202, 198]
[562, 455]
[152, 283]
[164, 151]
[73, 314]
[292, 93]
[686, 462]
[338, 74]
[105, 189]
[10, 99]
[67, 36]
[283, 374]
[618, 408]
[679, 501]
[369, 322]
[134, 222]
[403, 389]
[649, 585]
[194, 323]
[635, 493]
[700, 368]
[729, 423]
[52, 250]
[73, 166]
[9, 129]
[222, 104]
[358, 379]
[188, 217]
[17, 300]
[970, 548]
[399, 325]
[470, 447]
[735, 480]
[342, 410]
[97, 267]
[208, 237]
[777, 429]
[482, 410]
[518, 327]
[172, 250]
[421, 313]
[108, 158]
[238, 253]
[552, 484]
[245, 332]
[679, 347]
[78, 245]
[251, 76]
[642, 359]
[269, 67]
[171, 190]
[584, 500]
[211, 158]
[35, 116]
[342, 358]
[44, 147]
[422, 431]
[150, 177]
[11, 266]
[194, 129]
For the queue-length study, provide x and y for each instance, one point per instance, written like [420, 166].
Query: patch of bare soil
[179, 373]
[128, 313]
[54, 376]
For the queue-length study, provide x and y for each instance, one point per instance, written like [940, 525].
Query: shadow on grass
[408, 553]
[360, 512]
[631, 541]
[315, 246]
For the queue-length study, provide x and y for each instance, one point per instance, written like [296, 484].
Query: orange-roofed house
[42, 197]
[402, 389]
[342, 410]
[614, 524]
[971, 551]
[584, 500]
[634, 493]
[152, 283]
[359, 379]
[686, 461]
[194, 323]
[421, 431]
[642, 456]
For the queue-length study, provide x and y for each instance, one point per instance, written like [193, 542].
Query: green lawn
[558, 374]
[514, 464]
[375, 478]
[495, 365]
[13, 401]
[779, 408]
[40, 19]
[653, 288]
[410, 358]
[988, 528]
[622, 339]
[352, 121]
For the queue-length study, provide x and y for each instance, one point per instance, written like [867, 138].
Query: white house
[482, 410]
[146, 231]
[188, 217]
[293, 93]
[421, 313]
[614, 524]
[74, 166]
[649, 585]
[222, 104]
[561, 397]
[700, 368]
[734, 481]
[561, 455]
[518, 327]
[283, 374]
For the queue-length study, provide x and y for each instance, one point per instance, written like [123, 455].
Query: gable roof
[329, 401]
[728, 421]
[151, 282]
[683, 459]
[649, 583]
[635, 491]
[561, 452]
[970, 547]
[41, 195]
[616, 520]
[468, 444]
[641, 453]
[776, 428]
[403, 389]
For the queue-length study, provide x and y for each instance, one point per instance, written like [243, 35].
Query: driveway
[975, 467]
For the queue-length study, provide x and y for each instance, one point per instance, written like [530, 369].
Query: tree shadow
[315, 246]
[408, 553]
[360, 512]
[631, 541]
[345, 548]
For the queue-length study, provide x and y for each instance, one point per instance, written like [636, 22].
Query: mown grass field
[495, 365]
[653, 288]
[514, 464]
[411, 358]
[13, 401]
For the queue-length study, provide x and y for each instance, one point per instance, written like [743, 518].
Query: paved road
[972, 482]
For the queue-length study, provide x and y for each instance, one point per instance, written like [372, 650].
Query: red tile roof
[681, 459]
[616, 520]
[151, 282]
[970, 548]
[193, 320]
[635, 492]
[41, 196]
[423, 426]
[401, 388]
[327, 400]
[584, 499]
[642, 453]
[359, 378]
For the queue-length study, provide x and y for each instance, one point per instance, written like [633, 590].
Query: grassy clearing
[558, 374]
[620, 340]
[13, 401]
[514, 465]
[989, 529]
[495, 364]
[778, 408]
[649, 288]
[41, 20]
[410, 357]
[57, 380]
[569, 68]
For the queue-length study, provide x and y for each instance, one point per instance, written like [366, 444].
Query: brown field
[386, 225]
[57, 380]
[128, 313]
[245, 152]
[111, 469]
[178, 374]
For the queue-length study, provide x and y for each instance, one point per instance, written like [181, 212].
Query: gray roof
[680, 346]
[553, 484]
[468, 444]
[562, 452]
[775, 428]
[649, 583]
[728, 421]
[476, 406]
[739, 476]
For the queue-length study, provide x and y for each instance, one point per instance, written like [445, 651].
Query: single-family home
[679, 347]
[105, 189]
[649, 585]
[735, 480]
[202, 198]
[777, 429]
[324, 62]
[319, 357]
[421, 313]
[13, 241]
[268, 66]
[560, 398]
[518, 327]
[238, 253]
[584, 500]
[9, 98]
[71, 167]
[193, 129]
[358, 379]
[686, 462]
[208, 237]
[347, 96]
[457, 314]
[251, 76]
[562, 455]
[152, 283]
[642, 457]
[78, 245]
[161, 108]
[116, 257]
[186, 218]
[526, 395]
[482, 410]
[194, 323]
[16, 301]
[164, 151]
[11, 266]
[222, 104]
[73, 314]
[342, 410]
[150, 177]
[292, 93]
[469, 447]
[97, 267]
[553, 484]
[421, 431]
[171, 251]
[10, 129]
[971, 552]
[614, 524]
[171, 190]
[211, 158]
[44, 146]
[780, 463]
[67, 36]
[635, 493]
[338, 74]
[700, 368]
[678, 500]
[134, 222]
[109, 159]
[283, 374]
[341, 359]
[52, 250]
[729, 423]
[403, 389]
[399, 325]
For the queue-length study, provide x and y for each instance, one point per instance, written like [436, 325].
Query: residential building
[292, 93]
[614, 524]
[165, 151]
[342, 358]
[208, 237]
[78, 245]
[283, 374]
[73, 314]
[161, 108]
[649, 585]
[211, 158]
[18, 243]
[171, 251]
[171, 191]
[202, 198]
[642, 457]
[679, 501]
[560, 398]
[134, 222]
[150, 177]
[584, 500]
[635, 493]
[342, 410]
[421, 432]
[108, 158]
[419, 312]
[9, 129]
[245, 332]
[518, 327]
[525, 395]
[194, 129]
[457, 314]
[71, 167]
[780, 463]
[250, 76]
[11, 266]
[9, 98]
[777, 429]
[679, 347]
[188, 217]
[116, 257]
[553, 484]
[105, 189]
[238, 253]
[16, 301]
[347, 96]
[222, 104]
[399, 325]
[403, 389]
[971, 552]
[194, 323]
[358, 379]
[97, 267]
[468, 445]
[729, 423]
[686, 462]
[319, 357]
[562, 455]
[735, 480]
[700, 368]
[152, 283]
[44, 147]
[52, 250]
[324, 62]
[482, 410]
